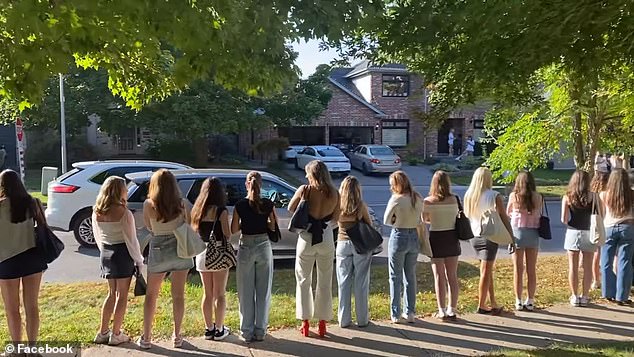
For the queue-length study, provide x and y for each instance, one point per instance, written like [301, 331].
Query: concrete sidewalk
[471, 335]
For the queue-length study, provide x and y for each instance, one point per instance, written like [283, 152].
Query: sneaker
[209, 334]
[246, 339]
[118, 339]
[583, 301]
[410, 318]
[519, 306]
[222, 334]
[143, 344]
[258, 338]
[574, 300]
[529, 304]
[397, 320]
[102, 338]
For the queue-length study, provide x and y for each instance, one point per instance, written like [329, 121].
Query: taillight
[375, 161]
[398, 160]
[61, 188]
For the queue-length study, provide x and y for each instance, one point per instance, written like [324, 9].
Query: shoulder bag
[463, 226]
[221, 257]
[493, 228]
[364, 237]
[275, 235]
[49, 245]
[544, 223]
[299, 220]
[423, 240]
[188, 241]
[597, 228]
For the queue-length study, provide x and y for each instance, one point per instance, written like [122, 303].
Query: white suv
[72, 195]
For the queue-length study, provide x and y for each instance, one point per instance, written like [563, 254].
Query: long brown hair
[254, 187]
[319, 177]
[618, 193]
[212, 193]
[165, 196]
[350, 196]
[20, 202]
[111, 194]
[599, 180]
[401, 185]
[440, 187]
[578, 191]
[524, 190]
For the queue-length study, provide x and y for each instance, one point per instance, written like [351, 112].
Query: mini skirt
[163, 256]
[577, 240]
[484, 248]
[24, 264]
[444, 244]
[116, 262]
[526, 237]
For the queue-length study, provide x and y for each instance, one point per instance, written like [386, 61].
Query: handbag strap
[544, 207]
[460, 209]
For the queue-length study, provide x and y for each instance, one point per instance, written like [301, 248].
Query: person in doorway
[119, 252]
[316, 246]
[3, 156]
[469, 149]
[450, 141]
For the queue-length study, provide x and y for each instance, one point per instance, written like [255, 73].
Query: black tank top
[580, 217]
[205, 227]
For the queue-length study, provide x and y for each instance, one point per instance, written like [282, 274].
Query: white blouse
[123, 231]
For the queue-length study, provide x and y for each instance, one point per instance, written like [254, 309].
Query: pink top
[521, 218]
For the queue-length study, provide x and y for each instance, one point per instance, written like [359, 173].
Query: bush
[429, 161]
[445, 167]
[44, 149]
[470, 163]
[271, 148]
[172, 150]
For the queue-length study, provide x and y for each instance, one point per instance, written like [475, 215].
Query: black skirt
[484, 248]
[444, 244]
[116, 262]
[24, 264]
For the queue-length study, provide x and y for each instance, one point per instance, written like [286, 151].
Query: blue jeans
[620, 243]
[254, 277]
[353, 270]
[402, 254]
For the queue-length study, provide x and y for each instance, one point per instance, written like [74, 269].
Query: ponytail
[254, 191]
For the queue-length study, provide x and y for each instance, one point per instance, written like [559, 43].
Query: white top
[16, 238]
[400, 213]
[487, 202]
[470, 145]
[165, 228]
[123, 231]
[601, 164]
[451, 138]
[442, 216]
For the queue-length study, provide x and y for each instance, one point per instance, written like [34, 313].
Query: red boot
[322, 328]
[304, 330]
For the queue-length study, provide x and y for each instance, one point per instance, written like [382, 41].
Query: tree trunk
[200, 151]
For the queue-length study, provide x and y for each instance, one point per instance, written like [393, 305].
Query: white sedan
[334, 159]
[291, 152]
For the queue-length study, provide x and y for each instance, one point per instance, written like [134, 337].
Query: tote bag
[423, 240]
[493, 229]
[299, 220]
[364, 237]
[188, 242]
[544, 223]
[597, 228]
[219, 257]
[463, 226]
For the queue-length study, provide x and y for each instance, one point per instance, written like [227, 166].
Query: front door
[126, 140]
[443, 136]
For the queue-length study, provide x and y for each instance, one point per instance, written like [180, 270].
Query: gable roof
[338, 77]
[367, 66]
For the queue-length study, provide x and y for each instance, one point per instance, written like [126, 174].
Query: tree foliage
[151, 48]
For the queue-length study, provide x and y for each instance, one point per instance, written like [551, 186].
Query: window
[119, 171]
[364, 150]
[382, 151]
[330, 153]
[309, 152]
[395, 86]
[395, 133]
[279, 194]
[140, 194]
[235, 189]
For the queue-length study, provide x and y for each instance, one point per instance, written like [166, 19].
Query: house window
[395, 86]
[478, 124]
[395, 133]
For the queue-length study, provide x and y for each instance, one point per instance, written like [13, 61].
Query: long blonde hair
[481, 182]
[618, 193]
[165, 196]
[350, 196]
[319, 177]
[401, 185]
[111, 194]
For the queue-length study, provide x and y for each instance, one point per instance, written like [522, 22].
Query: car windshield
[330, 153]
[381, 151]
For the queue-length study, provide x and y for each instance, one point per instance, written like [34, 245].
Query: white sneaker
[574, 300]
[529, 305]
[583, 301]
[519, 306]
[411, 318]
[222, 334]
[118, 339]
[102, 339]
[397, 320]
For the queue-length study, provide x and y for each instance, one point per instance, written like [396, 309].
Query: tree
[499, 50]
[152, 48]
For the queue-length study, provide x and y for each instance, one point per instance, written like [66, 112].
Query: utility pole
[63, 122]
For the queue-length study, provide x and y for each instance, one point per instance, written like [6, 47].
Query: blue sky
[310, 57]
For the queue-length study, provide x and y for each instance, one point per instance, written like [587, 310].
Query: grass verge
[612, 349]
[549, 188]
[70, 312]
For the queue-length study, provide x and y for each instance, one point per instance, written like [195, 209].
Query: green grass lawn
[70, 312]
[612, 349]
[551, 183]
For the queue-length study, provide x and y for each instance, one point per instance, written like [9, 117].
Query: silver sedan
[375, 158]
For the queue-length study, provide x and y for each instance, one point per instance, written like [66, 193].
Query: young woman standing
[403, 213]
[115, 233]
[597, 185]
[576, 209]
[254, 216]
[21, 263]
[440, 209]
[211, 220]
[525, 209]
[353, 269]
[479, 198]
[316, 246]
[619, 225]
[163, 212]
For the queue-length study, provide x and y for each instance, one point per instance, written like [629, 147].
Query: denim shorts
[163, 256]
[577, 240]
[526, 237]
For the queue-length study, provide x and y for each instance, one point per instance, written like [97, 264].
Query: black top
[205, 227]
[252, 222]
[580, 217]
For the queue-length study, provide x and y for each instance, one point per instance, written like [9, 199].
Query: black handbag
[49, 245]
[274, 235]
[544, 223]
[463, 226]
[365, 238]
[140, 286]
[299, 221]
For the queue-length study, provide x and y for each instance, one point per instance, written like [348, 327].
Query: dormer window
[395, 85]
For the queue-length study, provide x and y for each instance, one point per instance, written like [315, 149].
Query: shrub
[470, 163]
[172, 150]
[271, 148]
[445, 167]
[429, 161]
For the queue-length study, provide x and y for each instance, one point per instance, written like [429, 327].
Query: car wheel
[82, 229]
[364, 168]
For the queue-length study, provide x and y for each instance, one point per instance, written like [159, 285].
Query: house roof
[338, 79]
[367, 66]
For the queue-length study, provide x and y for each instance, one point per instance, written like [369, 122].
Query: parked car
[291, 152]
[189, 181]
[346, 149]
[334, 159]
[375, 158]
[72, 195]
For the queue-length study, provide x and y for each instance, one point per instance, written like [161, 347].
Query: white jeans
[306, 256]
